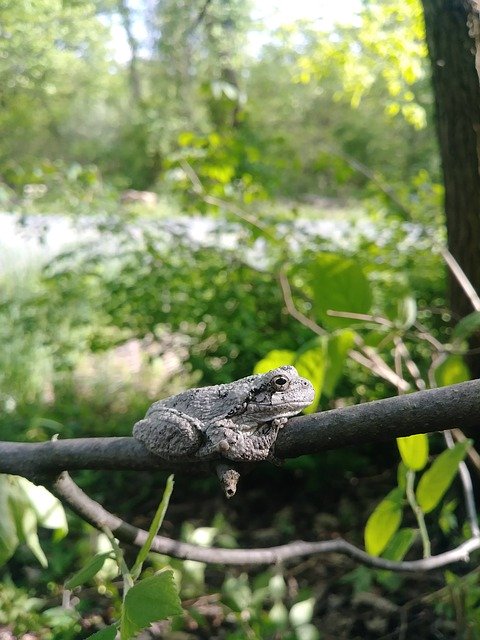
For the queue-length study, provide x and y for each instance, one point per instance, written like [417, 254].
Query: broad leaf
[278, 614]
[48, 508]
[338, 284]
[339, 345]
[151, 599]
[154, 527]
[467, 325]
[8, 530]
[452, 370]
[435, 482]
[311, 363]
[26, 521]
[400, 544]
[108, 633]
[274, 359]
[307, 632]
[301, 612]
[89, 571]
[29, 523]
[383, 522]
[414, 451]
[402, 471]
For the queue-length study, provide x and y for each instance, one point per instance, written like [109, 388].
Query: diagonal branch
[368, 357]
[421, 412]
[67, 491]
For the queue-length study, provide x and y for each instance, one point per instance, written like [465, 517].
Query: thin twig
[369, 358]
[467, 489]
[199, 18]
[410, 491]
[411, 365]
[66, 490]
[381, 368]
[472, 454]
[424, 334]
[461, 277]
[366, 317]
[397, 359]
[377, 180]
[292, 309]
[220, 203]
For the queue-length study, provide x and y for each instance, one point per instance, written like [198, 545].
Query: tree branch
[421, 412]
[67, 491]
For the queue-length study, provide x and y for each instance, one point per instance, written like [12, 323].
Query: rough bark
[457, 101]
[457, 405]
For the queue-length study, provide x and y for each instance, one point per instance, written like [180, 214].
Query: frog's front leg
[229, 440]
[169, 433]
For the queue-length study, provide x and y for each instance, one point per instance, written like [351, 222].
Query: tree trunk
[457, 100]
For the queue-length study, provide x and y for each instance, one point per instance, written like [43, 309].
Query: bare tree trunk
[457, 100]
[135, 83]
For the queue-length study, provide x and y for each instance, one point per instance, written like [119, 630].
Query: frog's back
[209, 403]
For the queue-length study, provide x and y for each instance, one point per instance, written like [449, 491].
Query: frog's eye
[280, 383]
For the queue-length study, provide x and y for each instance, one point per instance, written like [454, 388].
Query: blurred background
[191, 191]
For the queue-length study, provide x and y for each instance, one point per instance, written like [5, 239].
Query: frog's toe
[223, 446]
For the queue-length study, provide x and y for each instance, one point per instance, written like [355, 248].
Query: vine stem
[92, 512]
[122, 565]
[427, 551]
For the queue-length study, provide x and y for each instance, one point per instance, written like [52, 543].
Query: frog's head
[279, 393]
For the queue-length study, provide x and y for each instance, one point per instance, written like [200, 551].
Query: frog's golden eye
[280, 383]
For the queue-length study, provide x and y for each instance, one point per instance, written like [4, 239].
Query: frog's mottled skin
[238, 421]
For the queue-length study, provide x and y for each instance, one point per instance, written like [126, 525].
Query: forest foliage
[291, 171]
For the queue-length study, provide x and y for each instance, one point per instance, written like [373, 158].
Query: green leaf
[383, 522]
[307, 632]
[108, 633]
[8, 531]
[311, 362]
[154, 527]
[447, 519]
[339, 344]
[29, 523]
[301, 612]
[407, 312]
[48, 508]
[87, 572]
[452, 370]
[435, 482]
[237, 593]
[277, 587]
[154, 598]
[338, 284]
[186, 138]
[26, 521]
[402, 471]
[278, 614]
[467, 325]
[274, 359]
[400, 544]
[414, 451]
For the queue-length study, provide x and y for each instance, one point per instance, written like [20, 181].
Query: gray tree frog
[239, 420]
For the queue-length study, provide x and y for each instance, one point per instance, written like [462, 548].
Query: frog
[237, 421]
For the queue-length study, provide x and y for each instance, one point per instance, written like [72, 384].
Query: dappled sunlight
[276, 203]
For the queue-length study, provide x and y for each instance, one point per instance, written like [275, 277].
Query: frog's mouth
[278, 409]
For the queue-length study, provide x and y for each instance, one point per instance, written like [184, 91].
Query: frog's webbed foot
[227, 440]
